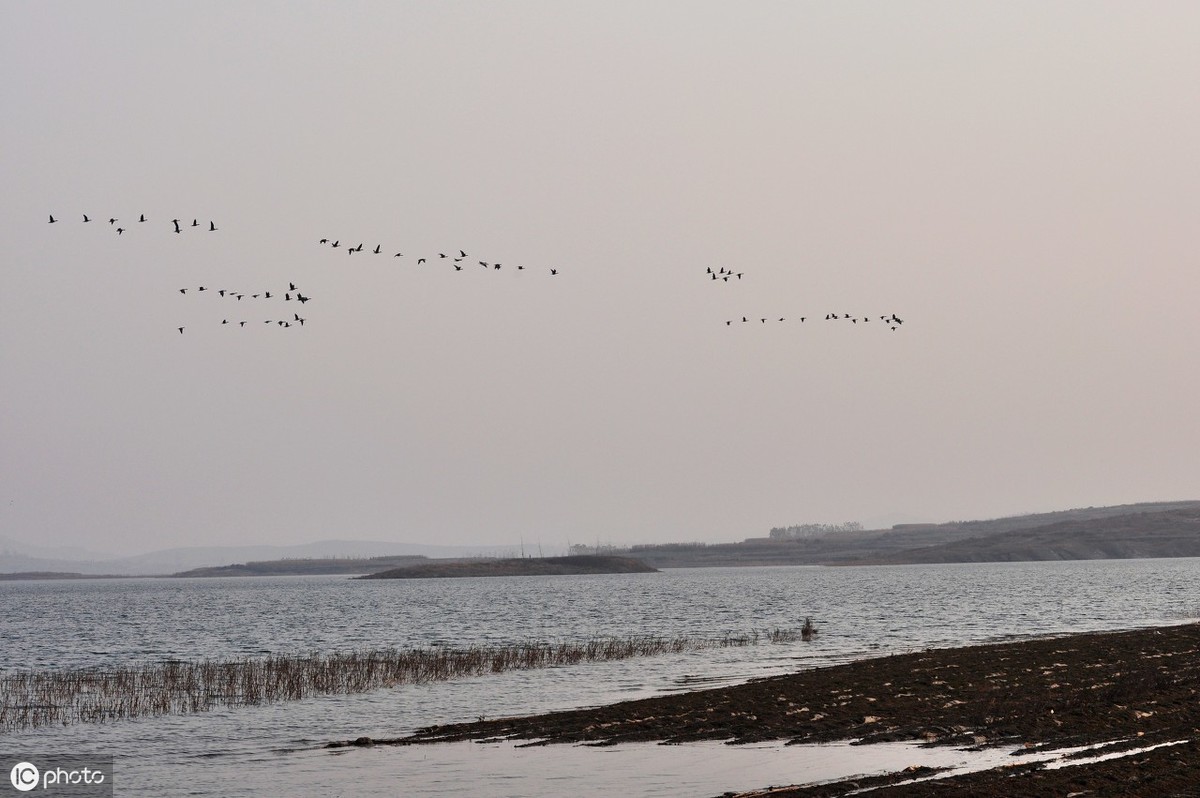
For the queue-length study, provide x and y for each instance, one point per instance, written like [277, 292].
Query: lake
[278, 749]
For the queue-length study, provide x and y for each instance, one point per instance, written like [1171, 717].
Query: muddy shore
[1125, 690]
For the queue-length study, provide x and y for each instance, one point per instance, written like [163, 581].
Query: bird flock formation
[179, 224]
[889, 320]
[292, 293]
[285, 319]
[455, 257]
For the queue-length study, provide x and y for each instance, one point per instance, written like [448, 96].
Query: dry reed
[31, 699]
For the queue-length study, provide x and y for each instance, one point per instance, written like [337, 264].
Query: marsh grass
[30, 699]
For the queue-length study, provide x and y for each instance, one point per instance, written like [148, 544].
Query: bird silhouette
[52, 219]
[553, 271]
[142, 218]
[195, 222]
[212, 228]
[181, 331]
[120, 230]
[176, 223]
[376, 250]
[112, 221]
[85, 218]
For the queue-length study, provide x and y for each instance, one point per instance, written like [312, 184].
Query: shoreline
[1124, 691]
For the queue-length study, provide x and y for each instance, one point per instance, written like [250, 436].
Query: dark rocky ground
[1124, 689]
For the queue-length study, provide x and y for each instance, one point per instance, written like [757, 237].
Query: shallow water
[276, 749]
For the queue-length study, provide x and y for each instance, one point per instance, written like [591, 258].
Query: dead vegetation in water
[30, 699]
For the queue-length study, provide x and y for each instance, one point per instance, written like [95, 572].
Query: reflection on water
[860, 612]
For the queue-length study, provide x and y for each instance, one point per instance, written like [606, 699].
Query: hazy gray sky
[1019, 182]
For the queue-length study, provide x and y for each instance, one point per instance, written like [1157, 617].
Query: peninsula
[519, 566]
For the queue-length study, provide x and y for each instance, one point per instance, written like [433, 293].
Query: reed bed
[30, 699]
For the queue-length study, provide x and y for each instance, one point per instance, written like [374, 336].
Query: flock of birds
[179, 224]
[455, 257]
[291, 293]
[890, 320]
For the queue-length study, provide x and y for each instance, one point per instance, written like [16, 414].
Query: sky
[1018, 182]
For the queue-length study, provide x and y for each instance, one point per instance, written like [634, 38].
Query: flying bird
[85, 218]
[52, 219]
[112, 221]
[142, 218]
[176, 223]
[212, 228]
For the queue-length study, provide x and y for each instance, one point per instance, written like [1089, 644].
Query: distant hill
[1166, 533]
[896, 545]
[17, 557]
[299, 566]
[523, 566]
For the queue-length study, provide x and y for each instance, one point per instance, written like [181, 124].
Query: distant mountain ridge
[958, 541]
[1164, 533]
[16, 557]
[1150, 529]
